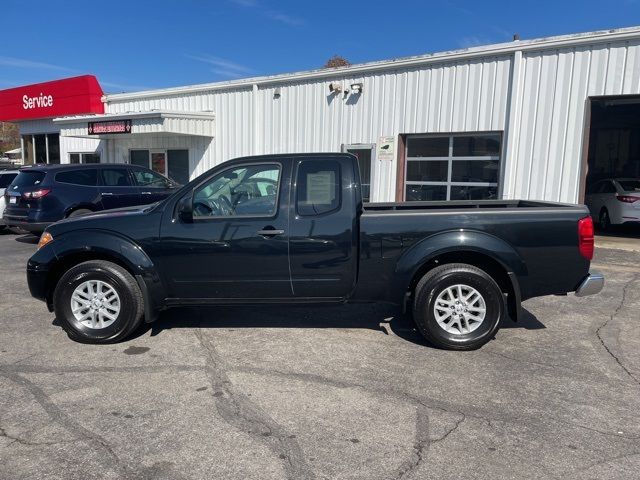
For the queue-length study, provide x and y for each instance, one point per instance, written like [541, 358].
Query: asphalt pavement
[348, 392]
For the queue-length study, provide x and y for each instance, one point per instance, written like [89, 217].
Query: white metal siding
[556, 84]
[458, 96]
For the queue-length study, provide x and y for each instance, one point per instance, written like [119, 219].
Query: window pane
[318, 187]
[116, 177]
[417, 193]
[41, 149]
[158, 162]
[54, 148]
[475, 171]
[74, 158]
[246, 191]
[179, 166]
[6, 179]
[149, 178]
[78, 177]
[427, 171]
[139, 157]
[364, 164]
[428, 147]
[476, 146]
[473, 193]
[90, 158]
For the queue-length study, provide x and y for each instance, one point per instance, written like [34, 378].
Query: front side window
[146, 178]
[453, 167]
[116, 177]
[87, 177]
[250, 190]
[317, 187]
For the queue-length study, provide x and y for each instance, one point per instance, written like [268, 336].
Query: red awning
[58, 98]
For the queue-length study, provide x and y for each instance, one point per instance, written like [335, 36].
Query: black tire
[131, 302]
[604, 221]
[80, 211]
[436, 282]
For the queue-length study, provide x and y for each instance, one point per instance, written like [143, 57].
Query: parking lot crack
[22, 441]
[239, 411]
[611, 319]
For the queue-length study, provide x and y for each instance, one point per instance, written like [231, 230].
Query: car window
[630, 185]
[250, 190]
[86, 177]
[147, 178]
[6, 179]
[116, 177]
[318, 187]
[608, 187]
[28, 178]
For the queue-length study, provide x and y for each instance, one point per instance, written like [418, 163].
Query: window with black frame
[452, 167]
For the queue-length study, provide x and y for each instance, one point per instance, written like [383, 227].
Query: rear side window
[6, 179]
[608, 187]
[318, 187]
[116, 177]
[86, 177]
[29, 178]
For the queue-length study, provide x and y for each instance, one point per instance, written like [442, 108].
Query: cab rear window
[28, 178]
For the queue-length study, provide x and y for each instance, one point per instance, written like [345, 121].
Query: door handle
[107, 193]
[270, 232]
[146, 193]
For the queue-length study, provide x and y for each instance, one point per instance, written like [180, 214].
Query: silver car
[614, 201]
[6, 177]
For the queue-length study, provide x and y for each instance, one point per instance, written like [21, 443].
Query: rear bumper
[24, 223]
[591, 284]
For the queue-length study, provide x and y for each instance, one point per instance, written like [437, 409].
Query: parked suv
[6, 177]
[43, 194]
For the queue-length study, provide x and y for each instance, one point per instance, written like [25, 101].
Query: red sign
[59, 98]
[112, 126]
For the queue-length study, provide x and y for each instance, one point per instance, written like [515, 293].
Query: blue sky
[133, 45]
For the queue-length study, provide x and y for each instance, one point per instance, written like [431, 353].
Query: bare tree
[337, 61]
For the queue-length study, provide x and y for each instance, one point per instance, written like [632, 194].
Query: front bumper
[591, 284]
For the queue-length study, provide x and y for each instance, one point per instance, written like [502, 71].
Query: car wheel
[98, 302]
[458, 306]
[604, 222]
[80, 211]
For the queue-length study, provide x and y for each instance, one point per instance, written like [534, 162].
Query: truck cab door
[234, 249]
[323, 232]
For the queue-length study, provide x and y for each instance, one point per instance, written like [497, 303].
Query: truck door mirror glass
[185, 209]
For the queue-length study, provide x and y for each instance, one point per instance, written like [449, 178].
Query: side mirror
[185, 209]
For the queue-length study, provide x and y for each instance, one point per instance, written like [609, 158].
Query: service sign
[58, 98]
[109, 127]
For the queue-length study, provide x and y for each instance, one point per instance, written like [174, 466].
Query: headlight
[44, 239]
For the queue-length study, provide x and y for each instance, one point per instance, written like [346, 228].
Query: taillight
[627, 198]
[585, 237]
[37, 193]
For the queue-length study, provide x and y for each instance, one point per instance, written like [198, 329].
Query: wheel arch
[80, 206]
[487, 252]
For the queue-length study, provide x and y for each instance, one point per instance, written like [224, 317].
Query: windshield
[630, 185]
[28, 178]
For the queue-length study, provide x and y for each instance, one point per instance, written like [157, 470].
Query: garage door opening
[613, 176]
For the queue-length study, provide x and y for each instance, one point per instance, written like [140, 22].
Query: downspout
[256, 123]
[512, 132]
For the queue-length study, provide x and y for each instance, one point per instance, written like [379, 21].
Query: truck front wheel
[458, 306]
[98, 302]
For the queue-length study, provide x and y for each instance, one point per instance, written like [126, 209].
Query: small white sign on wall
[386, 149]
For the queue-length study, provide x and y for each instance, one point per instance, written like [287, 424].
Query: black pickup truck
[294, 229]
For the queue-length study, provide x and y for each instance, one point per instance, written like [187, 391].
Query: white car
[6, 177]
[614, 201]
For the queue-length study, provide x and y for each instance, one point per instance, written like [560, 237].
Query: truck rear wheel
[98, 302]
[458, 306]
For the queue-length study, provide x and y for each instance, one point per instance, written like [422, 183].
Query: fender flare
[460, 240]
[108, 245]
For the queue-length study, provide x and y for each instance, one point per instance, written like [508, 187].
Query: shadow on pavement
[382, 318]
[28, 238]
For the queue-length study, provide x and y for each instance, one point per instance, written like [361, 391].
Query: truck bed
[464, 205]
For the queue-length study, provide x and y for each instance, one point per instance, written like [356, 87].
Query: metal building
[533, 119]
